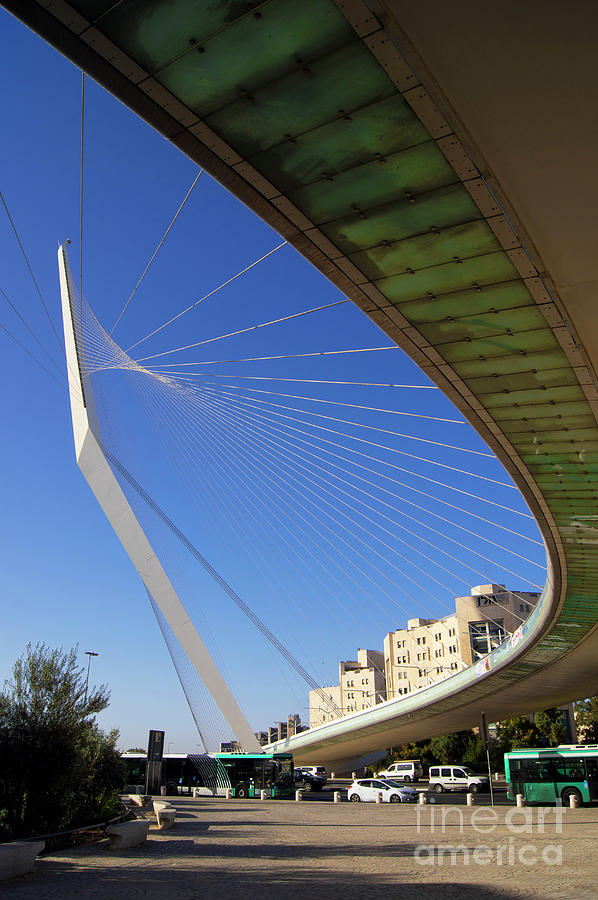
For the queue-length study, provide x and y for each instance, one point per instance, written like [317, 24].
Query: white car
[456, 778]
[403, 770]
[367, 789]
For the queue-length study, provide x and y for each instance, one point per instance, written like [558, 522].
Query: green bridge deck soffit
[312, 106]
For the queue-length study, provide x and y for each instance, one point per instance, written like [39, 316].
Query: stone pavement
[350, 851]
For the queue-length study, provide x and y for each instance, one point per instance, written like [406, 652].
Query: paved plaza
[277, 850]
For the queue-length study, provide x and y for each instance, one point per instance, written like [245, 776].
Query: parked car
[456, 778]
[305, 781]
[320, 771]
[406, 770]
[366, 789]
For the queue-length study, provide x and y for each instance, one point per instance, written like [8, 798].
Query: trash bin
[162, 790]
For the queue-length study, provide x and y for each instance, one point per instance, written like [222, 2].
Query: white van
[456, 778]
[316, 771]
[406, 770]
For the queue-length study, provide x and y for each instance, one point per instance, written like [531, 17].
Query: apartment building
[361, 685]
[430, 650]
[424, 653]
[427, 651]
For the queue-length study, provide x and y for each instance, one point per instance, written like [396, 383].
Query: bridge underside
[436, 162]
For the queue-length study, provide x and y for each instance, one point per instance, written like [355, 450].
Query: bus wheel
[571, 792]
[242, 791]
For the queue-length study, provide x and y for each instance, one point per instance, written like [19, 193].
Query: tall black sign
[155, 752]
[484, 731]
[155, 746]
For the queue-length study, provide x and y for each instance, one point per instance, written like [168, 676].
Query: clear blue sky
[66, 580]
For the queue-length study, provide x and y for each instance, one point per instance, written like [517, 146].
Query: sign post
[486, 739]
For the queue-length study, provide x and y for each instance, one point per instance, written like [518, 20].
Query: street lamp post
[89, 654]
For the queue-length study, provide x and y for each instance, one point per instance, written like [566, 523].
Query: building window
[485, 637]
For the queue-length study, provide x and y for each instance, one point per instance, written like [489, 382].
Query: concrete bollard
[298, 796]
[378, 797]
[573, 801]
[520, 801]
[263, 795]
[353, 775]
[470, 800]
[332, 776]
[422, 799]
[337, 796]
[229, 793]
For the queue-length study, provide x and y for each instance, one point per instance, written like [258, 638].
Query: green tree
[58, 768]
[551, 726]
[586, 719]
[451, 748]
[516, 733]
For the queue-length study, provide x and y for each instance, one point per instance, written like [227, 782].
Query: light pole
[89, 654]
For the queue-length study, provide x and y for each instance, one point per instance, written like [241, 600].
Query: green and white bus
[555, 773]
[246, 774]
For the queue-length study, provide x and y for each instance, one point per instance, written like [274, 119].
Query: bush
[59, 770]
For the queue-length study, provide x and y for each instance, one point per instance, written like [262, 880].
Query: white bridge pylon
[108, 493]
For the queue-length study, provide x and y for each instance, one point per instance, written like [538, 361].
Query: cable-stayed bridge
[436, 168]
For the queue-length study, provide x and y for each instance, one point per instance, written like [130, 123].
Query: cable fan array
[306, 504]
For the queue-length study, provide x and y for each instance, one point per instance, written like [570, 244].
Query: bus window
[568, 769]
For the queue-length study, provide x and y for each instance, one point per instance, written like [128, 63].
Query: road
[452, 798]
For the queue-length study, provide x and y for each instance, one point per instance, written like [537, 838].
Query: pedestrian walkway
[246, 849]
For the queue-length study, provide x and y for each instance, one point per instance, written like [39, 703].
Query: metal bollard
[298, 796]
[263, 795]
[378, 797]
[520, 800]
[336, 797]
[229, 793]
[573, 801]
[422, 799]
[470, 800]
